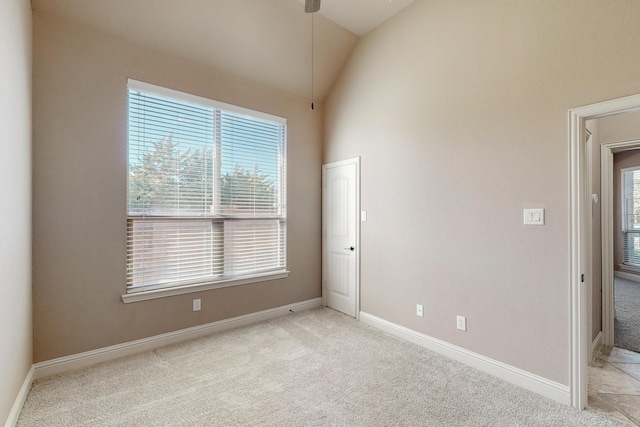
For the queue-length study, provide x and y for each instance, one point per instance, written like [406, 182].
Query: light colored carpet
[313, 368]
[627, 322]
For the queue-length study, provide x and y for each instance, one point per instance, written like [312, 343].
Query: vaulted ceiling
[263, 41]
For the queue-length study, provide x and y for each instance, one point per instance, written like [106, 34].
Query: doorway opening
[615, 311]
[341, 236]
[581, 236]
[621, 243]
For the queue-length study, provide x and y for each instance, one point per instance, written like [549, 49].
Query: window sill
[630, 268]
[180, 290]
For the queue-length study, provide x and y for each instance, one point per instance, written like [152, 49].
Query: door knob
[352, 248]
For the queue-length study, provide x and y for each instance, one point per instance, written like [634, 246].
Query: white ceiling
[263, 41]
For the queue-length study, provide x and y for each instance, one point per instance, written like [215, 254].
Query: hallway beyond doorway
[614, 384]
[627, 318]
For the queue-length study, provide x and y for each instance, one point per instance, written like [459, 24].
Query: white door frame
[356, 161]
[579, 200]
[608, 313]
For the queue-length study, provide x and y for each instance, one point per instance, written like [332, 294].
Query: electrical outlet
[419, 310]
[196, 304]
[461, 323]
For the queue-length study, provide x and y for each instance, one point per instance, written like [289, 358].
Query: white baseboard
[628, 276]
[88, 358]
[596, 345]
[12, 419]
[551, 389]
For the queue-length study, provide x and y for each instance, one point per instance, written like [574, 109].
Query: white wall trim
[12, 419]
[144, 295]
[627, 276]
[606, 231]
[589, 226]
[551, 389]
[88, 358]
[596, 345]
[578, 321]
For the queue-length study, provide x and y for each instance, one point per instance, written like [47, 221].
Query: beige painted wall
[620, 127]
[15, 200]
[80, 120]
[459, 111]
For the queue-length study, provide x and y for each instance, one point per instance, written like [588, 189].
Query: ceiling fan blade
[311, 6]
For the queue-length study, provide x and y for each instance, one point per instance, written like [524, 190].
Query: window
[631, 216]
[206, 193]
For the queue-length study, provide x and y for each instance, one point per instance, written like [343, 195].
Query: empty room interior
[454, 180]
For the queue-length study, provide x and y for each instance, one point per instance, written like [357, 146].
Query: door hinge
[582, 278]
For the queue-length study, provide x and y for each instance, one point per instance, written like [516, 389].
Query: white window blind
[206, 190]
[631, 216]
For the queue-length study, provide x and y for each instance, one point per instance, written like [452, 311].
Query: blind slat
[188, 165]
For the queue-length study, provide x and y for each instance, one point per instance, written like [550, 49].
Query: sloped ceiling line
[266, 42]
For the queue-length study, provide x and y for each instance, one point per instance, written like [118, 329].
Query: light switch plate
[461, 323]
[363, 216]
[534, 216]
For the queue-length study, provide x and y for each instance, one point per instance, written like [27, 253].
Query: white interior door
[340, 227]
